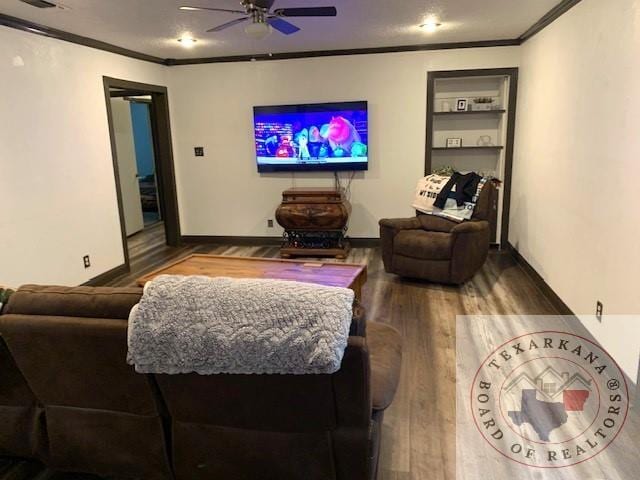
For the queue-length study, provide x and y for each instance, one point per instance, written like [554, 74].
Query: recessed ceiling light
[430, 26]
[190, 9]
[187, 42]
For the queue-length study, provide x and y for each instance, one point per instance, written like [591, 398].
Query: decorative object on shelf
[454, 142]
[481, 104]
[315, 222]
[485, 141]
[444, 171]
[446, 106]
[461, 104]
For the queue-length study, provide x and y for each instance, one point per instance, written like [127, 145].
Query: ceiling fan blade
[189, 8]
[228, 24]
[282, 25]
[307, 12]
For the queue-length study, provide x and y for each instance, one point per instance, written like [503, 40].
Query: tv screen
[314, 137]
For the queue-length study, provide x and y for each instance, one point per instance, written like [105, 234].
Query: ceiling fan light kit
[263, 19]
[258, 31]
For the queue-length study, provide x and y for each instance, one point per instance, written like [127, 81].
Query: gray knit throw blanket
[244, 326]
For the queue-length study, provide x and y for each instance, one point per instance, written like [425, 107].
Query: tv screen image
[312, 137]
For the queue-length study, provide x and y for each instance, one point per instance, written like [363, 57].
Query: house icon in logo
[549, 383]
[541, 406]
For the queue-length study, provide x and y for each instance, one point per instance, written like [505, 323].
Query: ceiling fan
[262, 17]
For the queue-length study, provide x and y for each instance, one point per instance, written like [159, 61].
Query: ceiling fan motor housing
[258, 4]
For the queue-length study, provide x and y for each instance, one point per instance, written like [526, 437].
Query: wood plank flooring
[419, 427]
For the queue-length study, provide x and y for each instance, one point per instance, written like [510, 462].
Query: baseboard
[365, 242]
[232, 240]
[543, 286]
[107, 276]
[258, 241]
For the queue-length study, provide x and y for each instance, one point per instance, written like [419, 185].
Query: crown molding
[35, 28]
[551, 16]
[353, 51]
[45, 31]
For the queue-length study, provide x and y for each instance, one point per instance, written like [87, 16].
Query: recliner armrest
[470, 249]
[470, 227]
[436, 223]
[401, 223]
[385, 356]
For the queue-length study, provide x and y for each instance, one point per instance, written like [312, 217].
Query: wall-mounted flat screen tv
[312, 137]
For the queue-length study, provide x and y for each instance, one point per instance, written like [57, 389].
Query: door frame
[163, 153]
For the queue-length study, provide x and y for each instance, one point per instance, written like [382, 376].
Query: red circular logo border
[626, 387]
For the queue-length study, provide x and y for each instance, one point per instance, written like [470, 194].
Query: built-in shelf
[471, 112]
[492, 147]
[474, 129]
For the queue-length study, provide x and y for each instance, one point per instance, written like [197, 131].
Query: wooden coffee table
[346, 275]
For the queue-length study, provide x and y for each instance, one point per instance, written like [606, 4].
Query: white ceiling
[152, 26]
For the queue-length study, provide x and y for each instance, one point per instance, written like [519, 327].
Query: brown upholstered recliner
[71, 345]
[436, 249]
[104, 418]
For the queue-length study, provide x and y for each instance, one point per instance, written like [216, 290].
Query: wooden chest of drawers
[315, 222]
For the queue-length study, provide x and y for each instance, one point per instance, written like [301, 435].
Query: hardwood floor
[419, 427]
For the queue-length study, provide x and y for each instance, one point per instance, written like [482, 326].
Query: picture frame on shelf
[462, 104]
[454, 142]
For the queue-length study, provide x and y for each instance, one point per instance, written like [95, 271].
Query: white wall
[574, 210]
[212, 106]
[57, 188]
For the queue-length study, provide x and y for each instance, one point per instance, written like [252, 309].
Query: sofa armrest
[385, 356]
[359, 320]
[398, 224]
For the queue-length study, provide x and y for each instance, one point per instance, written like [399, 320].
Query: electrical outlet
[199, 151]
[87, 261]
[599, 310]
[270, 223]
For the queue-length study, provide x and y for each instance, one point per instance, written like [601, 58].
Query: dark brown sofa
[21, 418]
[103, 418]
[436, 249]
[71, 346]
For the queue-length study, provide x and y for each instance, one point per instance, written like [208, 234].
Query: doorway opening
[140, 134]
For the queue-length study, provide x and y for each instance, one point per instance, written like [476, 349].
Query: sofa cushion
[423, 244]
[385, 357]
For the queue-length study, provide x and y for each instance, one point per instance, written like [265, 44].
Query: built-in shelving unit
[486, 136]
